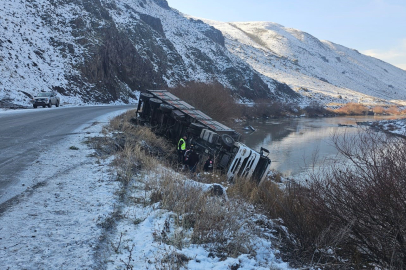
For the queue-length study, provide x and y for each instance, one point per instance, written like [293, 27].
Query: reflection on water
[297, 145]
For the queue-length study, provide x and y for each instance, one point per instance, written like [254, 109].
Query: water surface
[297, 145]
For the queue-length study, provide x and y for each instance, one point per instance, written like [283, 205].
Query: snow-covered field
[63, 219]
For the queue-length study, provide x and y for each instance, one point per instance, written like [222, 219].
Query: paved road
[24, 134]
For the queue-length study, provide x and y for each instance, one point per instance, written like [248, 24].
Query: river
[299, 145]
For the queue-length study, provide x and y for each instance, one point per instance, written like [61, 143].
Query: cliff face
[105, 50]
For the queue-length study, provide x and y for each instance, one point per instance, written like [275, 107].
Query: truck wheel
[165, 108]
[57, 104]
[195, 128]
[227, 140]
[49, 104]
[155, 102]
[145, 95]
[35, 106]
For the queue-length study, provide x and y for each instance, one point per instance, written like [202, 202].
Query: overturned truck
[172, 118]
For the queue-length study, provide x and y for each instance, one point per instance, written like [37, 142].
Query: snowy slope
[103, 51]
[320, 69]
[29, 61]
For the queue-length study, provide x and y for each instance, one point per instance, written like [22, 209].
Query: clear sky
[373, 27]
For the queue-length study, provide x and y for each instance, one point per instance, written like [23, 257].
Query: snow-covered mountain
[105, 50]
[318, 69]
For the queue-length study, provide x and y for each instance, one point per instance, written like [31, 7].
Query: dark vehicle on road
[46, 99]
[172, 118]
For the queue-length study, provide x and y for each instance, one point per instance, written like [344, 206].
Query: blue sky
[373, 27]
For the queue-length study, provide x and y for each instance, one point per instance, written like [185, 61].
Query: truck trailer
[171, 117]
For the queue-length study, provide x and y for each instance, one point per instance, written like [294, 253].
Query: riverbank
[395, 127]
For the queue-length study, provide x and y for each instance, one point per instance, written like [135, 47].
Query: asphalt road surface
[24, 134]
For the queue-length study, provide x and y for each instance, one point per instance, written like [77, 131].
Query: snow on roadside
[148, 238]
[54, 225]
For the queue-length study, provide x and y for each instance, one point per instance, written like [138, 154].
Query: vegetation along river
[298, 145]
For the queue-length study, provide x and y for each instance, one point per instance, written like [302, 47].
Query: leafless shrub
[310, 237]
[213, 99]
[355, 211]
[128, 264]
[315, 109]
[269, 108]
[367, 197]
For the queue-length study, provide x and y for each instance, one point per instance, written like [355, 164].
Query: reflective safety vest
[181, 144]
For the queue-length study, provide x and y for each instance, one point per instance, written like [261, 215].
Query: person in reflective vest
[181, 148]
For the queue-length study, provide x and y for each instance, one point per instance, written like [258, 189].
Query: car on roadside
[46, 99]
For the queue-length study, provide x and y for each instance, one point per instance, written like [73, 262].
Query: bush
[315, 109]
[378, 110]
[355, 212]
[367, 198]
[352, 109]
[393, 110]
[213, 99]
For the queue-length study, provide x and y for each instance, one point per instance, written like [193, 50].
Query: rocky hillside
[318, 69]
[105, 50]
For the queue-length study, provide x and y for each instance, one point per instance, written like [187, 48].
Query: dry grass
[121, 122]
[214, 220]
[138, 148]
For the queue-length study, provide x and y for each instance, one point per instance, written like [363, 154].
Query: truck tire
[165, 108]
[178, 115]
[155, 103]
[227, 140]
[195, 128]
[145, 96]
